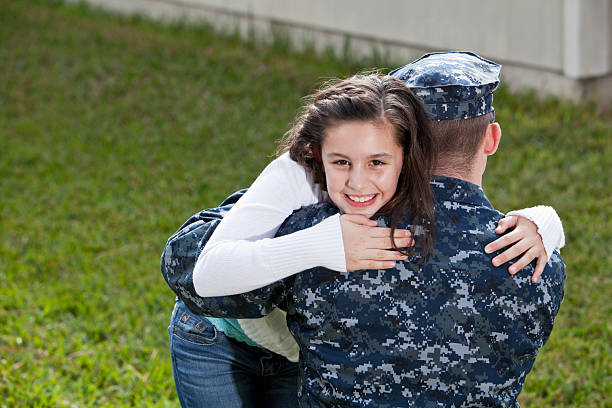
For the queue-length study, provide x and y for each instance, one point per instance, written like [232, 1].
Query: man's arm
[178, 260]
[552, 292]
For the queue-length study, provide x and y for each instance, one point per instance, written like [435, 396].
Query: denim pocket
[192, 328]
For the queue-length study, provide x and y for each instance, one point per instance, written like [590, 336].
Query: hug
[353, 272]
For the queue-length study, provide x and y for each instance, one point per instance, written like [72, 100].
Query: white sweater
[242, 254]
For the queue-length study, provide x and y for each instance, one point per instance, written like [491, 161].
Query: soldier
[453, 331]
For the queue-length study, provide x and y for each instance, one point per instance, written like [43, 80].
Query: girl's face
[362, 162]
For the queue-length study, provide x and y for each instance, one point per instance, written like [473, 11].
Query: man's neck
[472, 177]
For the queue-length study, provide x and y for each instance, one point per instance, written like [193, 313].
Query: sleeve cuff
[549, 226]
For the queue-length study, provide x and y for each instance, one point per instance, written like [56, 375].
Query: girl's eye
[341, 162]
[377, 163]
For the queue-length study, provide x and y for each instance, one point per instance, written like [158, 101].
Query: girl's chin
[366, 212]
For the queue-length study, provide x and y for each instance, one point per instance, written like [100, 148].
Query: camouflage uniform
[456, 332]
[183, 248]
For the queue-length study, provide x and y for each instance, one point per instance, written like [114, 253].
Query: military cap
[452, 85]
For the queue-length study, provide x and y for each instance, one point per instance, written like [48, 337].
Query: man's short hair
[458, 141]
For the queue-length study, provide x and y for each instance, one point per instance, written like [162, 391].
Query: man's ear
[492, 137]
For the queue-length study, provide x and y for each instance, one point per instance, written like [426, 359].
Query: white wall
[586, 38]
[499, 29]
[563, 47]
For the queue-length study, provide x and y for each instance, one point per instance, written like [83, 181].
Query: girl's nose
[356, 180]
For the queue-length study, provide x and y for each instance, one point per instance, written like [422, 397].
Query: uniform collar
[457, 190]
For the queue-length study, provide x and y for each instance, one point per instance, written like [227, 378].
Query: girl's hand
[367, 246]
[524, 239]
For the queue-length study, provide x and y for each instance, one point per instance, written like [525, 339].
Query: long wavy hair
[383, 99]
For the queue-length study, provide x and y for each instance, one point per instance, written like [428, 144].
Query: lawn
[114, 130]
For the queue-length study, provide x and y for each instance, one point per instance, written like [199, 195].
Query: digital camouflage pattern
[452, 85]
[183, 248]
[456, 332]
[179, 258]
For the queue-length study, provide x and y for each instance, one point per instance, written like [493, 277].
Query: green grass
[114, 130]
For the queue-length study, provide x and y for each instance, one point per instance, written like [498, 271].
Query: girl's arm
[242, 254]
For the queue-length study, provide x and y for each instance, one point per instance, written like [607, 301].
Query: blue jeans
[213, 370]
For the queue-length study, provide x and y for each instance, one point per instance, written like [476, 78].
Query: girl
[235, 366]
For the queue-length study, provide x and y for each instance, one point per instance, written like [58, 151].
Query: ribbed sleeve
[320, 245]
[549, 226]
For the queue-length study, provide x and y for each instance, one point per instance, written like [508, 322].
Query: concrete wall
[432, 24]
[586, 38]
[563, 47]
[610, 33]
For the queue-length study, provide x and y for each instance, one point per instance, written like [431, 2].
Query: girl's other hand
[524, 239]
[367, 246]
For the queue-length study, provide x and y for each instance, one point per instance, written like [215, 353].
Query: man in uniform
[456, 331]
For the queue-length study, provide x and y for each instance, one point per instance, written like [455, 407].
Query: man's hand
[524, 239]
[367, 246]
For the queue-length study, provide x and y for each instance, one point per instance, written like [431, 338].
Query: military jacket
[183, 248]
[455, 332]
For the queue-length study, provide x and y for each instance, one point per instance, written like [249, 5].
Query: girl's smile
[360, 201]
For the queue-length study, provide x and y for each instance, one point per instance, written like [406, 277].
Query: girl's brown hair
[381, 99]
